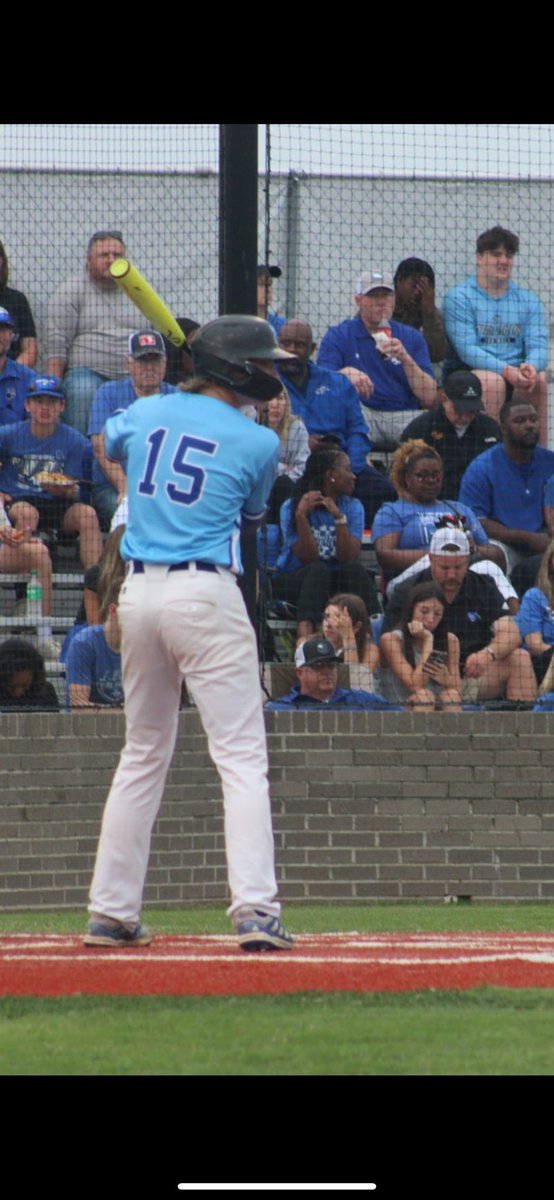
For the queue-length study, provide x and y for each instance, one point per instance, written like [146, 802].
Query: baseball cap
[449, 541]
[147, 341]
[46, 385]
[265, 269]
[464, 390]
[371, 280]
[315, 650]
[5, 318]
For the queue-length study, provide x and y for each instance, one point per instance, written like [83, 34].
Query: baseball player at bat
[196, 469]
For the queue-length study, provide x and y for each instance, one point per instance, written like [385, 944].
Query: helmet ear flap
[226, 351]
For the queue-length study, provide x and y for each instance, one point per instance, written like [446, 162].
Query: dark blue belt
[184, 566]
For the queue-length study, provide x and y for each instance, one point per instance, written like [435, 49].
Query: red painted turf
[55, 965]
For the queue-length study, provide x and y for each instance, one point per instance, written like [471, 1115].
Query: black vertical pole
[238, 257]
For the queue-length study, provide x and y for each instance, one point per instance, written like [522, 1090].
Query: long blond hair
[545, 576]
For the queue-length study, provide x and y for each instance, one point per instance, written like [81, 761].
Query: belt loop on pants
[138, 566]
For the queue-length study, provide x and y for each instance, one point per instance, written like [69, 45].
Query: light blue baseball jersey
[195, 469]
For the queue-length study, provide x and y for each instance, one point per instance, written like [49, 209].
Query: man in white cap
[387, 362]
[491, 661]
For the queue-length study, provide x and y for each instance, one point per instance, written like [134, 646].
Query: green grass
[487, 1031]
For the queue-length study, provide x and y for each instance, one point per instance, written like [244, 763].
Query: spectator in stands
[42, 469]
[458, 428]
[317, 672]
[265, 276]
[505, 485]
[387, 362]
[403, 530]
[414, 304]
[421, 659]
[498, 329]
[481, 566]
[328, 404]
[345, 624]
[21, 553]
[23, 683]
[88, 324]
[98, 579]
[545, 699]
[535, 619]
[293, 436]
[491, 666]
[179, 361]
[15, 377]
[146, 363]
[548, 506]
[24, 344]
[322, 530]
[93, 660]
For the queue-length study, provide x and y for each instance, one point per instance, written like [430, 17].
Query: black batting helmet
[226, 350]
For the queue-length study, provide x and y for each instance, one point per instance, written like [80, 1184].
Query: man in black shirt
[458, 429]
[491, 661]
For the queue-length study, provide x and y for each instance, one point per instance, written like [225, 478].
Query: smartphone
[436, 657]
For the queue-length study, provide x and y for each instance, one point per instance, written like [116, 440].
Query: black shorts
[51, 510]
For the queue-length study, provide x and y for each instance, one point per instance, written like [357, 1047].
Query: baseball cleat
[117, 935]
[258, 931]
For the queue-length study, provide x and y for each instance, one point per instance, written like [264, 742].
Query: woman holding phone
[420, 660]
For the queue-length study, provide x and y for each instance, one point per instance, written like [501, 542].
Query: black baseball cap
[464, 390]
[315, 650]
[273, 270]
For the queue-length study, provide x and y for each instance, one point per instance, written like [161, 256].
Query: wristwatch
[340, 520]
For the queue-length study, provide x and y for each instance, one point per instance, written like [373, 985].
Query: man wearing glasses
[88, 324]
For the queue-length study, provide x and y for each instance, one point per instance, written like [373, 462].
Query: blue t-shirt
[508, 492]
[490, 332]
[23, 456]
[341, 698]
[548, 496]
[14, 386]
[92, 663]
[328, 403]
[417, 523]
[536, 616]
[323, 528]
[196, 468]
[112, 397]
[350, 345]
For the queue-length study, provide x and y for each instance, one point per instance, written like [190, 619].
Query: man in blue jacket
[329, 405]
[387, 362]
[317, 670]
[498, 329]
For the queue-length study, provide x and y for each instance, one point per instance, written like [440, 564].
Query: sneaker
[258, 931]
[117, 935]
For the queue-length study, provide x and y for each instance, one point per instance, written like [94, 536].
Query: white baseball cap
[449, 541]
[371, 280]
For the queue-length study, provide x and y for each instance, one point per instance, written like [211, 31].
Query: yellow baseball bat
[146, 299]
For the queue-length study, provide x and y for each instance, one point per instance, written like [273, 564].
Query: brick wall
[367, 806]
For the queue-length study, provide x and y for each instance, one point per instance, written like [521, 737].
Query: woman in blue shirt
[322, 528]
[402, 530]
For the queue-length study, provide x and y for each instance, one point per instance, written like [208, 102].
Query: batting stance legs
[188, 624]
